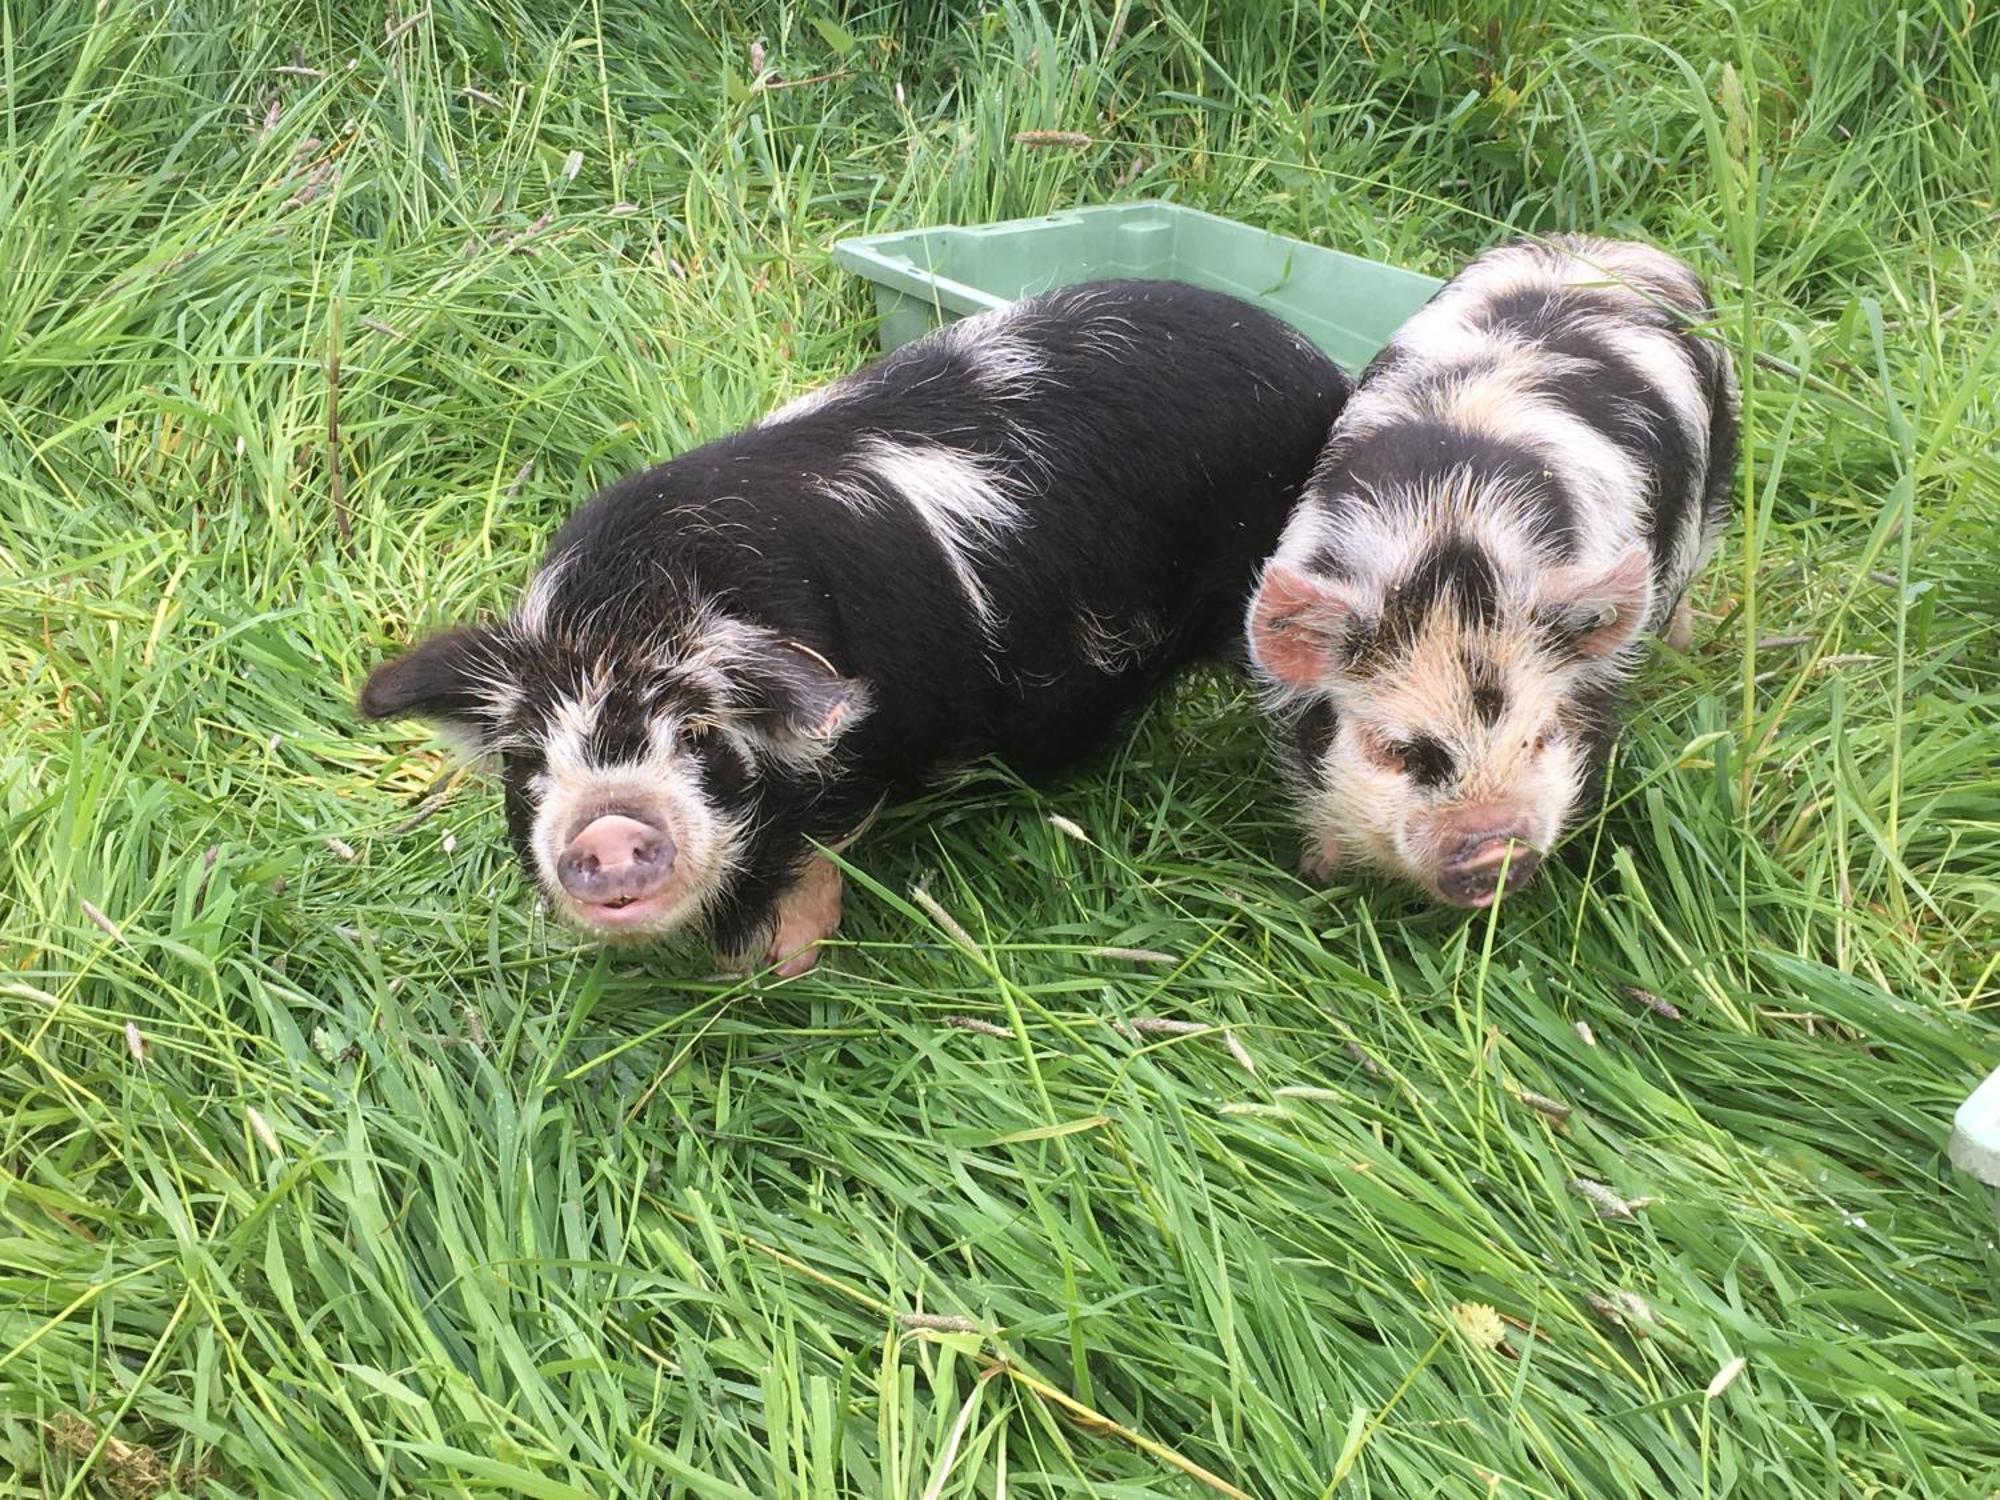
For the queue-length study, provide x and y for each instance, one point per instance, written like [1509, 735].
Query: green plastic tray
[924, 277]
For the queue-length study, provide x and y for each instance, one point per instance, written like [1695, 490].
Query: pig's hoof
[1321, 862]
[807, 913]
[1680, 629]
[795, 964]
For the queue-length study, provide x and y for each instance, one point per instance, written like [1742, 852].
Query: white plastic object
[1975, 1132]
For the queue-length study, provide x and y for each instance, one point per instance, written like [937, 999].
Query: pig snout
[613, 860]
[1482, 845]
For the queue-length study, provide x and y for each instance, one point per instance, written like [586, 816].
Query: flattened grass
[328, 1168]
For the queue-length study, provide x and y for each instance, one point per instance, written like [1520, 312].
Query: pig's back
[1016, 529]
[1565, 373]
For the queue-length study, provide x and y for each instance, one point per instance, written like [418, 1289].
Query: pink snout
[1485, 846]
[614, 860]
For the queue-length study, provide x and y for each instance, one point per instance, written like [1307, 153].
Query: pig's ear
[447, 679]
[1597, 610]
[798, 701]
[1297, 623]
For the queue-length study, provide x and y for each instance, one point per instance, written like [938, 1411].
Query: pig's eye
[1424, 760]
[1387, 754]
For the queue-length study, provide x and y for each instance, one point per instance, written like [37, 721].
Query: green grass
[349, 1176]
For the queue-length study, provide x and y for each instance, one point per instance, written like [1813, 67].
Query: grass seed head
[1725, 1377]
[1542, 1104]
[1161, 1026]
[982, 1028]
[1131, 955]
[261, 1128]
[917, 1322]
[101, 922]
[1066, 826]
[935, 909]
[1664, 1009]
[1053, 140]
[1607, 1202]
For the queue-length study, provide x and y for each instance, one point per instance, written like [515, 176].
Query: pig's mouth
[1484, 869]
[622, 914]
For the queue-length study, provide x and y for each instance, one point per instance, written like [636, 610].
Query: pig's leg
[808, 910]
[1680, 629]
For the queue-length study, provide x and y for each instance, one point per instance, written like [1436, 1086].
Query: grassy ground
[328, 1169]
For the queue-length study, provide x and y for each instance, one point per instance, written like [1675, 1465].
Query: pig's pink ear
[1296, 625]
[1599, 609]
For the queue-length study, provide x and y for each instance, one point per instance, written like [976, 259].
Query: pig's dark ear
[1297, 623]
[798, 701]
[447, 679]
[1598, 610]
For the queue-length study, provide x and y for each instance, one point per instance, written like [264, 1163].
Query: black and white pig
[1522, 486]
[1003, 539]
